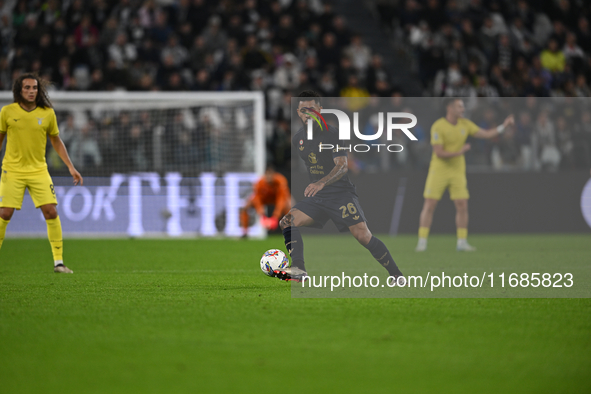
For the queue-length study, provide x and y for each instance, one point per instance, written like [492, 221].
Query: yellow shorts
[438, 181]
[12, 189]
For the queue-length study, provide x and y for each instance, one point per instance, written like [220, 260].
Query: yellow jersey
[452, 137]
[26, 137]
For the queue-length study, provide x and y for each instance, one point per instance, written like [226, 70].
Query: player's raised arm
[491, 133]
[339, 170]
[61, 150]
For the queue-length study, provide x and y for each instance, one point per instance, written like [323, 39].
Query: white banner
[142, 204]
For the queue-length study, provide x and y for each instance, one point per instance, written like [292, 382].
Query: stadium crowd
[462, 48]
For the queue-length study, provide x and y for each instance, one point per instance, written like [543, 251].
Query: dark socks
[380, 252]
[295, 246]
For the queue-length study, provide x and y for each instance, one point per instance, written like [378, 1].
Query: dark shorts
[344, 210]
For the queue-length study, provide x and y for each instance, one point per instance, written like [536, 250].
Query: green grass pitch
[198, 316]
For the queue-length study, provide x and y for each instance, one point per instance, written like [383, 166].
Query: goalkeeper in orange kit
[270, 190]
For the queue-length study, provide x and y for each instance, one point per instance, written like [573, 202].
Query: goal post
[222, 109]
[179, 163]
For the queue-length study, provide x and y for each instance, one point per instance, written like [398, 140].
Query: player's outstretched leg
[3, 225]
[378, 250]
[244, 221]
[5, 216]
[425, 223]
[54, 234]
[295, 247]
[462, 226]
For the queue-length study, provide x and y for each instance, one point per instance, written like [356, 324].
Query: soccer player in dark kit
[330, 195]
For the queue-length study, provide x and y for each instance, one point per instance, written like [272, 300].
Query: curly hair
[42, 99]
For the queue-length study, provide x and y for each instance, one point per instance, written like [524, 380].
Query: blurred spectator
[540, 72]
[462, 88]
[84, 148]
[28, 34]
[523, 137]
[573, 53]
[504, 55]
[85, 31]
[508, 150]
[63, 74]
[19, 14]
[123, 11]
[583, 33]
[355, 90]
[329, 53]
[202, 80]
[198, 14]
[46, 51]
[197, 53]
[484, 89]
[487, 37]
[582, 88]
[59, 32]
[344, 71]
[303, 51]
[457, 54]
[5, 77]
[137, 145]
[287, 76]
[340, 31]
[359, 53]
[93, 55]
[97, 82]
[235, 28]
[213, 35]
[565, 143]
[519, 34]
[327, 85]
[177, 52]
[553, 59]
[160, 31]
[122, 52]
[75, 13]
[286, 34]
[546, 141]
[376, 72]
[109, 32]
[175, 83]
[252, 56]
[312, 69]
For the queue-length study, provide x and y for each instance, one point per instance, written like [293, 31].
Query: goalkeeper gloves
[270, 223]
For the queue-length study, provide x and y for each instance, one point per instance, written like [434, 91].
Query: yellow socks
[3, 224]
[462, 233]
[54, 233]
[423, 232]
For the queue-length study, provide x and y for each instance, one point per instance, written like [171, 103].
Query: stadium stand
[469, 48]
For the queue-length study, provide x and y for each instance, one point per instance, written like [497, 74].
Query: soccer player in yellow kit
[26, 124]
[448, 169]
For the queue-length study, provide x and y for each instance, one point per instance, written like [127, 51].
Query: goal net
[178, 162]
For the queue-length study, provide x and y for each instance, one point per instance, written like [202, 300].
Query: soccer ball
[272, 260]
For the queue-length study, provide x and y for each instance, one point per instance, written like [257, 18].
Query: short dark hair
[449, 100]
[42, 99]
[310, 95]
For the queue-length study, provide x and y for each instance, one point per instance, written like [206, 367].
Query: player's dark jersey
[320, 163]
